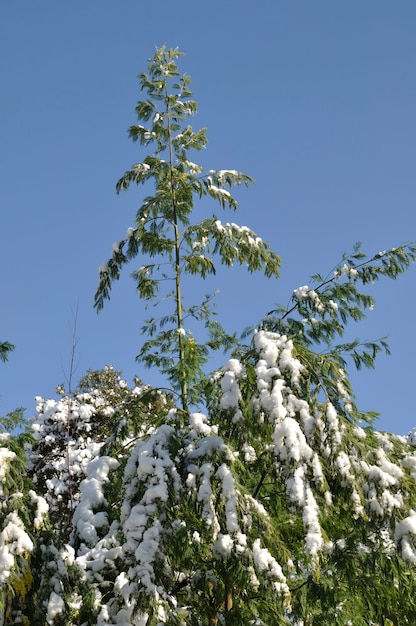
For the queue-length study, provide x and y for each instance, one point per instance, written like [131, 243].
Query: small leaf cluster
[5, 348]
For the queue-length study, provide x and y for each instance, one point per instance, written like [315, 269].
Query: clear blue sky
[315, 100]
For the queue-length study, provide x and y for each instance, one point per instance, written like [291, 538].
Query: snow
[290, 441]
[14, 542]
[295, 486]
[333, 424]
[301, 293]
[5, 457]
[233, 372]
[198, 422]
[116, 247]
[409, 462]
[404, 531]
[310, 517]
[207, 446]
[56, 606]
[205, 496]
[387, 467]
[276, 358]
[190, 461]
[130, 232]
[241, 235]
[342, 463]
[229, 493]
[265, 562]
[223, 546]
[249, 453]
[6, 563]
[346, 270]
[42, 508]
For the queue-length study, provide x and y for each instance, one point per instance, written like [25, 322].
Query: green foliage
[164, 230]
[15, 418]
[317, 315]
[18, 525]
[280, 468]
[12, 420]
[276, 506]
[323, 311]
[5, 349]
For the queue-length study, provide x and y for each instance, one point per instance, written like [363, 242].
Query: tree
[280, 503]
[20, 513]
[165, 235]
[262, 512]
[14, 418]
[96, 426]
[316, 409]
[70, 432]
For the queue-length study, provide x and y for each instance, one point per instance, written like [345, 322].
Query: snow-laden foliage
[70, 434]
[53, 510]
[263, 510]
[258, 495]
[22, 514]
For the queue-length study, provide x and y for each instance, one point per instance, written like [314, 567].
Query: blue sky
[315, 100]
